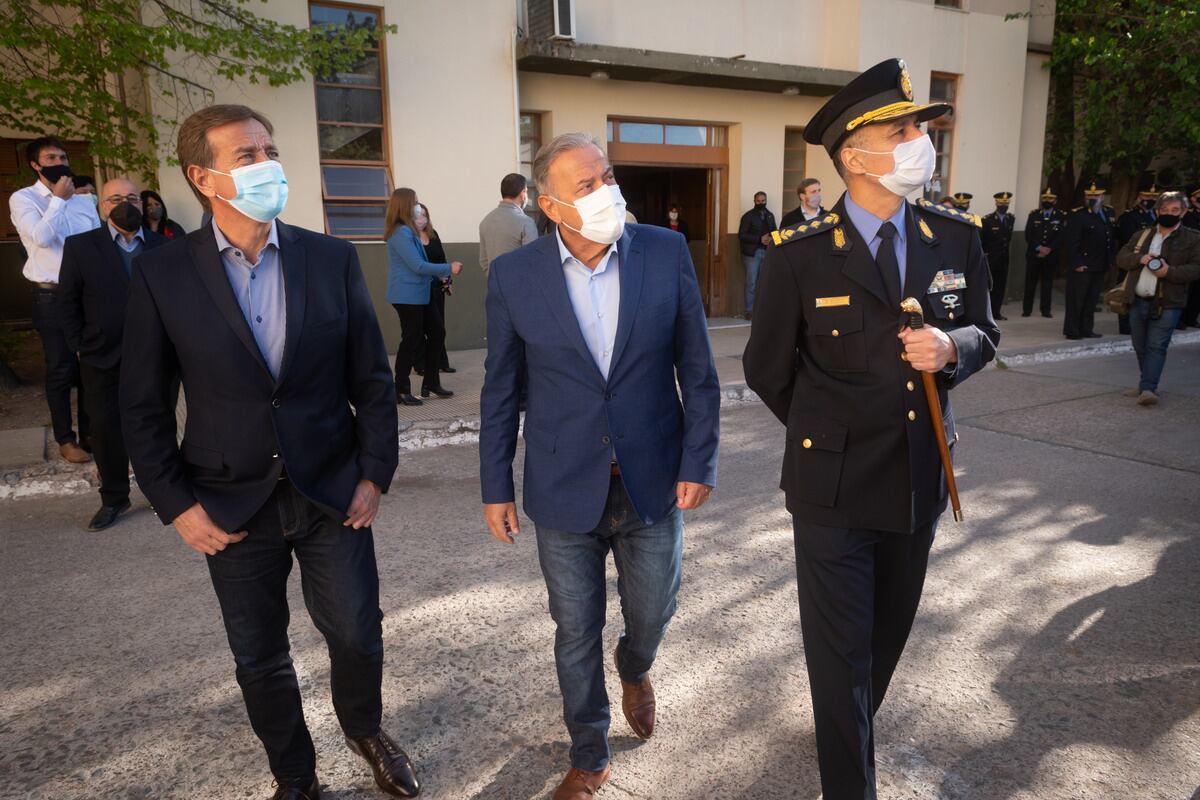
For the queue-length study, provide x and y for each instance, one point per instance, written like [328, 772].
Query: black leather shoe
[1048, 316]
[1026, 313]
[448, 370]
[409, 400]
[438, 390]
[1093, 335]
[394, 772]
[107, 515]
[310, 790]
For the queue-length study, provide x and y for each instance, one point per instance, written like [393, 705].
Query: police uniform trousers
[1039, 270]
[1083, 292]
[859, 591]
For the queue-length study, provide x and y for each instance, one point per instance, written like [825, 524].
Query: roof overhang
[655, 66]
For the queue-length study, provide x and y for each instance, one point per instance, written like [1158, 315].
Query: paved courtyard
[1056, 655]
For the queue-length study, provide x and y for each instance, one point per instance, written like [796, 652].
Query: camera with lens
[1154, 264]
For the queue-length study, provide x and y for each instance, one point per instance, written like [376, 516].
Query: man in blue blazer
[604, 319]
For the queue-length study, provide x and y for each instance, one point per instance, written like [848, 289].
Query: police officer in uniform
[1091, 246]
[1191, 312]
[997, 236]
[1044, 231]
[827, 354]
[962, 200]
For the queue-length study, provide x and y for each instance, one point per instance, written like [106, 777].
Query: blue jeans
[1150, 339]
[341, 589]
[649, 561]
[752, 265]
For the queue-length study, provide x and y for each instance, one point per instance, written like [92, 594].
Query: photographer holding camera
[1161, 261]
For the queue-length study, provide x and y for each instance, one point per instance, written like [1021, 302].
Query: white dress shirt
[43, 222]
[595, 296]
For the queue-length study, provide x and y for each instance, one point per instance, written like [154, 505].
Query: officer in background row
[1091, 248]
[1044, 230]
[1191, 311]
[997, 236]
[861, 471]
[962, 200]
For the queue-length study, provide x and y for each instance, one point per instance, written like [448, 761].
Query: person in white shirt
[45, 214]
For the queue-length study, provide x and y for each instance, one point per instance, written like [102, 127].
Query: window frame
[384, 127]
[947, 124]
[790, 201]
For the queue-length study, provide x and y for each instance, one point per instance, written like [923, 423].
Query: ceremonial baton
[916, 320]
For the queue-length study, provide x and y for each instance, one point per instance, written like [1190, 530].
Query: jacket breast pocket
[837, 338]
[817, 446]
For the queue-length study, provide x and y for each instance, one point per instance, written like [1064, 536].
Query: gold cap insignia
[905, 82]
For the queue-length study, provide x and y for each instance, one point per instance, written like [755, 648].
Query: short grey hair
[555, 148]
[1172, 197]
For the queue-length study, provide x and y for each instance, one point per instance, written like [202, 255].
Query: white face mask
[603, 214]
[914, 162]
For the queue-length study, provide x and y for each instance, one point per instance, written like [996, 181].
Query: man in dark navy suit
[290, 438]
[603, 318]
[93, 286]
[829, 357]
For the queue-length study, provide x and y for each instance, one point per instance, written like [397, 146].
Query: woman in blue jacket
[409, 284]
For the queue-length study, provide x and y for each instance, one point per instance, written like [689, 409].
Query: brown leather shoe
[303, 790]
[74, 453]
[637, 701]
[581, 784]
[394, 772]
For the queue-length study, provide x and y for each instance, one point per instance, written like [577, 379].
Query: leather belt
[51, 287]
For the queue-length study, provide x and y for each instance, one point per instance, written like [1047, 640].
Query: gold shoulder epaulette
[796, 232]
[950, 213]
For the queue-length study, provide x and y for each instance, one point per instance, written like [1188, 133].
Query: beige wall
[756, 119]
[1033, 136]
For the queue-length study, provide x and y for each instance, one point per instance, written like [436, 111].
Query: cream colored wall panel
[756, 120]
[1033, 136]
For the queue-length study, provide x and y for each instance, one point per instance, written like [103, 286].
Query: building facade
[702, 103]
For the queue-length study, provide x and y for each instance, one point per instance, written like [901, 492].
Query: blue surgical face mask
[261, 190]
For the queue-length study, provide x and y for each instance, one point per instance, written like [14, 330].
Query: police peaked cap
[882, 93]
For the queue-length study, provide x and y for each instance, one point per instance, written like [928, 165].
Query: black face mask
[1168, 220]
[1001, 210]
[760, 206]
[1148, 205]
[1047, 205]
[55, 173]
[154, 213]
[1093, 204]
[126, 216]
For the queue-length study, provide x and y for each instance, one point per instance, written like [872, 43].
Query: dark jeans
[418, 324]
[1151, 338]
[62, 367]
[859, 591]
[341, 589]
[108, 443]
[1039, 270]
[439, 301]
[649, 561]
[1083, 291]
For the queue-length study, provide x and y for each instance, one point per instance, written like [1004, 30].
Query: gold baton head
[912, 307]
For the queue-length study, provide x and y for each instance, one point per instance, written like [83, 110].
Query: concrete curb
[1052, 353]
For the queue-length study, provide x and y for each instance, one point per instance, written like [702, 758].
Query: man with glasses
[45, 214]
[93, 287]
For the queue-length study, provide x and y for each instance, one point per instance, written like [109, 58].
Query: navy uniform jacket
[1132, 220]
[824, 357]
[93, 289]
[329, 419]
[1090, 241]
[996, 236]
[1043, 232]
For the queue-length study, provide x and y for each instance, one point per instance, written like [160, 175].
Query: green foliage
[70, 67]
[1126, 75]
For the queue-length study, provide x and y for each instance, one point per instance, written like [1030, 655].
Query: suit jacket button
[806, 444]
[950, 315]
[835, 332]
[605, 439]
[275, 402]
[912, 415]
[910, 386]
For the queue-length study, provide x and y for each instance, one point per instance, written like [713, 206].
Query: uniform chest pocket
[947, 308]
[837, 339]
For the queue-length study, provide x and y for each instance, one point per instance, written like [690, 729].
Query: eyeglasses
[123, 198]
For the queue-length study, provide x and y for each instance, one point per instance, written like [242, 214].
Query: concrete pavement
[1056, 655]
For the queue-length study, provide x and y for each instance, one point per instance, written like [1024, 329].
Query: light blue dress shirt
[258, 288]
[868, 225]
[139, 238]
[596, 299]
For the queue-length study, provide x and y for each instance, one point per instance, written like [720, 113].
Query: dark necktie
[885, 259]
